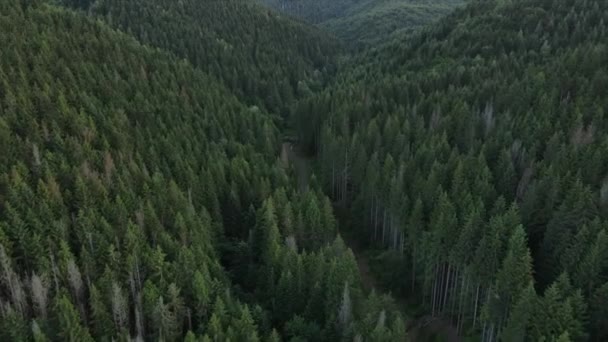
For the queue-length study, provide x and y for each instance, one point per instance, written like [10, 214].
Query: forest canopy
[218, 171]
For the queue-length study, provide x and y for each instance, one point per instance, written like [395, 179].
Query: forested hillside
[140, 199]
[473, 153]
[263, 58]
[151, 188]
[366, 22]
[372, 22]
[312, 11]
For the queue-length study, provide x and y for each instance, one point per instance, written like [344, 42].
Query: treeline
[140, 199]
[263, 58]
[312, 11]
[473, 152]
[364, 23]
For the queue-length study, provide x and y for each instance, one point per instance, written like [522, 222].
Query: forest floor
[290, 154]
[367, 277]
[425, 328]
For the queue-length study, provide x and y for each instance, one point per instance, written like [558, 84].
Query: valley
[303, 170]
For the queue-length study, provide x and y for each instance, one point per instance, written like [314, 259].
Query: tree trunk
[435, 281]
[371, 215]
[333, 180]
[345, 177]
[384, 228]
[414, 267]
[441, 287]
[460, 300]
[447, 287]
[395, 237]
[376, 221]
[476, 303]
[454, 292]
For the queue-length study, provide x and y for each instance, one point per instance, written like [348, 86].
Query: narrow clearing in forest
[420, 329]
[368, 279]
[425, 328]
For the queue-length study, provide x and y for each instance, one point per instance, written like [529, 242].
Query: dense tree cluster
[139, 198]
[263, 58]
[313, 11]
[362, 23]
[142, 195]
[474, 151]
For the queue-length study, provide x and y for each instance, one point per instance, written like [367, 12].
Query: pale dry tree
[76, 285]
[37, 333]
[36, 155]
[11, 281]
[488, 118]
[75, 280]
[345, 312]
[604, 192]
[39, 287]
[290, 242]
[119, 307]
[381, 320]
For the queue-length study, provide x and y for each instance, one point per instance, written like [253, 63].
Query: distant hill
[369, 22]
[265, 58]
[366, 22]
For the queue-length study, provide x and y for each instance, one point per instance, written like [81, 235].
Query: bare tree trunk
[395, 236]
[464, 301]
[344, 194]
[441, 285]
[476, 303]
[460, 300]
[333, 180]
[414, 268]
[384, 228]
[454, 292]
[434, 290]
[371, 213]
[447, 287]
[376, 221]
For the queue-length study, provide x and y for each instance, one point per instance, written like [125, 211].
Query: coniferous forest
[303, 170]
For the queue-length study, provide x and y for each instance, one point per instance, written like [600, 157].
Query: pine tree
[246, 328]
[521, 314]
[514, 275]
[69, 325]
[102, 325]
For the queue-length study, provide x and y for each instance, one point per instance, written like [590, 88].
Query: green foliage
[260, 56]
[141, 199]
[366, 22]
[68, 322]
[471, 149]
[132, 181]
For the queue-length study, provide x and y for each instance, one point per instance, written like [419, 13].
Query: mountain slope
[471, 150]
[366, 22]
[372, 22]
[265, 59]
[140, 199]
